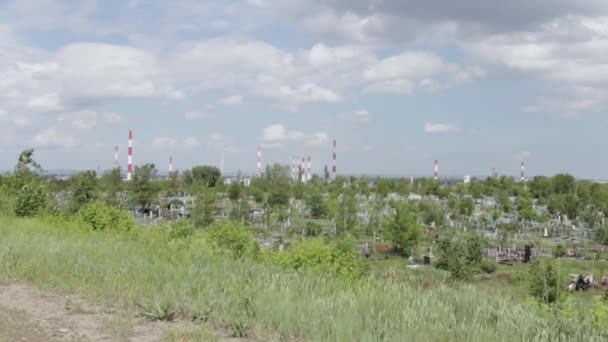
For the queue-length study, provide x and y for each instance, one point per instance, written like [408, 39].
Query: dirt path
[29, 314]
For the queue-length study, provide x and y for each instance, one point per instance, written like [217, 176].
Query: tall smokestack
[130, 157]
[436, 173]
[303, 170]
[116, 165]
[222, 163]
[259, 165]
[170, 165]
[309, 169]
[294, 168]
[334, 170]
[523, 172]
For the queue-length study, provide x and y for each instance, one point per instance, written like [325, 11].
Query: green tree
[346, 219]
[563, 184]
[317, 204]
[84, 190]
[143, 190]
[31, 194]
[206, 175]
[205, 206]
[461, 255]
[403, 230]
[545, 283]
[31, 199]
[111, 185]
[466, 206]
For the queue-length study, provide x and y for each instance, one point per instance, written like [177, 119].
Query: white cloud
[358, 116]
[219, 141]
[277, 135]
[51, 137]
[368, 148]
[191, 142]
[403, 87]
[113, 118]
[164, 142]
[45, 103]
[441, 128]
[523, 156]
[232, 100]
[193, 115]
[408, 65]
[85, 119]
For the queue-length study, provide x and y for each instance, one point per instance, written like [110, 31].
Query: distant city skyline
[397, 84]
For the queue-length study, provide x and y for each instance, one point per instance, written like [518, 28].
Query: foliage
[202, 175]
[346, 219]
[317, 204]
[84, 190]
[488, 266]
[205, 207]
[545, 282]
[318, 254]
[31, 199]
[97, 216]
[403, 230]
[270, 302]
[112, 185]
[313, 228]
[559, 251]
[181, 230]
[461, 255]
[143, 189]
[601, 235]
[232, 238]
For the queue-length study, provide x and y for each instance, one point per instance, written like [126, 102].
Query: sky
[475, 84]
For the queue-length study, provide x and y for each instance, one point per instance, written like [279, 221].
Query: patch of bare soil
[29, 314]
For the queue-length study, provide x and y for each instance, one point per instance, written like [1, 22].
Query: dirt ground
[29, 314]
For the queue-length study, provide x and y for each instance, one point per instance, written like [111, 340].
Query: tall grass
[144, 269]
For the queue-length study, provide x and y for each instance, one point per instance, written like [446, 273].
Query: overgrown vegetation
[183, 279]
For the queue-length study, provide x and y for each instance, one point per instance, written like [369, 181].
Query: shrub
[100, 217]
[461, 255]
[317, 254]
[559, 251]
[545, 281]
[313, 228]
[181, 230]
[488, 266]
[31, 200]
[233, 238]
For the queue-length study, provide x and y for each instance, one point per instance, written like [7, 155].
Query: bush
[317, 254]
[313, 228]
[488, 266]
[31, 200]
[545, 282]
[100, 217]
[181, 230]
[233, 238]
[461, 255]
[559, 251]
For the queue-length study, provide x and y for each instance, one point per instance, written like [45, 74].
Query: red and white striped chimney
[130, 157]
[309, 171]
[116, 165]
[436, 173]
[259, 164]
[303, 168]
[334, 171]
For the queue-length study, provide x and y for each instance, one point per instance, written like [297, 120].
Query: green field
[145, 270]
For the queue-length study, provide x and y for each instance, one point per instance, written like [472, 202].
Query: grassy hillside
[145, 269]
